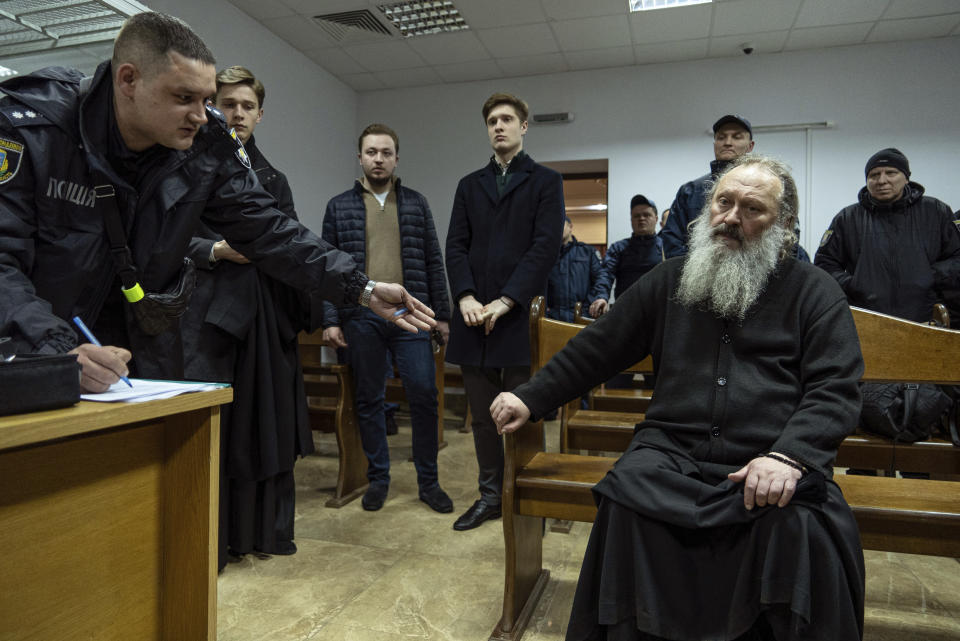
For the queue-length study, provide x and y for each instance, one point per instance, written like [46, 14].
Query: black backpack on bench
[910, 412]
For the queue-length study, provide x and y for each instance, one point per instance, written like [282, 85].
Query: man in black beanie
[895, 250]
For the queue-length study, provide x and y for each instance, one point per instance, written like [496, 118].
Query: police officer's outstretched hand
[100, 367]
[394, 303]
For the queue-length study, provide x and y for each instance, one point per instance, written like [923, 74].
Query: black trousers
[482, 384]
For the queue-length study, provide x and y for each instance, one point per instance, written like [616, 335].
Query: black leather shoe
[374, 497]
[476, 515]
[437, 499]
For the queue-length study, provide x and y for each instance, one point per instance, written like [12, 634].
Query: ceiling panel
[665, 25]
[750, 16]
[409, 77]
[600, 58]
[449, 48]
[570, 9]
[335, 60]
[592, 33]
[260, 10]
[915, 8]
[484, 14]
[523, 40]
[300, 31]
[671, 51]
[818, 13]
[469, 71]
[912, 28]
[833, 36]
[385, 55]
[532, 65]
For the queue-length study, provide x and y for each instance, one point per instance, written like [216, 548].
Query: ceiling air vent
[352, 25]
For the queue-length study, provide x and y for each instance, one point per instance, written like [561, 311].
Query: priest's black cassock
[674, 553]
[241, 327]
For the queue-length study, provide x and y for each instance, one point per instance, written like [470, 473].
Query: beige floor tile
[288, 597]
[425, 596]
[403, 573]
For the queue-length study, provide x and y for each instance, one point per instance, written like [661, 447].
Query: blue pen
[93, 339]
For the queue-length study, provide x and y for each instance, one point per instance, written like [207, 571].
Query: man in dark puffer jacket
[389, 230]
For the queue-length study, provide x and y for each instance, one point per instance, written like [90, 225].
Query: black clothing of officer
[55, 259]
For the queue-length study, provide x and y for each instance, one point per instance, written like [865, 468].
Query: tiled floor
[403, 573]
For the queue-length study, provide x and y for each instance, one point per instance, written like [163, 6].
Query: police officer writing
[104, 183]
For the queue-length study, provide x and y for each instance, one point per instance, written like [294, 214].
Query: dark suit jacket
[502, 246]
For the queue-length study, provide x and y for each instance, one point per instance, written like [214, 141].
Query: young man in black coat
[504, 237]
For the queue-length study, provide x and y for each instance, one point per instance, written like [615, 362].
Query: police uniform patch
[826, 237]
[241, 152]
[10, 155]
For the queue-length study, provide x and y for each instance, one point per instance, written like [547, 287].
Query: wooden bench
[898, 515]
[332, 407]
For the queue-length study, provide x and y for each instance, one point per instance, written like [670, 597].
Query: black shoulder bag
[155, 313]
[908, 412]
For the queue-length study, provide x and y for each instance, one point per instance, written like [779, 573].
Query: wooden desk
[108, 521]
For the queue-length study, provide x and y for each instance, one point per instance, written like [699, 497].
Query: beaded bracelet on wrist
[786, 461]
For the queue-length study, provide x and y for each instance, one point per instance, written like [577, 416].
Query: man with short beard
[388, 229]
[721, 520]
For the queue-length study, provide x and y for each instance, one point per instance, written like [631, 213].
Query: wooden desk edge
[89, 416]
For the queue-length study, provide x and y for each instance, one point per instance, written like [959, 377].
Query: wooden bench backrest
[548, 336]
[898, 350]
[893, 349]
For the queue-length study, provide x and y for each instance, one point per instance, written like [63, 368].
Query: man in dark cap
[732, 138]
[895, 250]
[630, 258]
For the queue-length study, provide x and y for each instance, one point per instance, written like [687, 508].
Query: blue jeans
[369, 338]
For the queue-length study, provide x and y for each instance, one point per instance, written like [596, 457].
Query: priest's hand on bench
[767, 481]
[100, 367]
[508, 412]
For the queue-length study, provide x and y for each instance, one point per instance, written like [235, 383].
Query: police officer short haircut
[147, 38]
[237, 75]
[381, 129]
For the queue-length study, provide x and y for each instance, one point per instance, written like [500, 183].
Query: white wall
[651, 122]
[309, 116]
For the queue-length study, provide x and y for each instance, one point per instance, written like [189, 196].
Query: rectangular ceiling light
[37, 25]
[647, 5]
[424, 18]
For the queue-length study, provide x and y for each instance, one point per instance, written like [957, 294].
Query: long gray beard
[723, 280]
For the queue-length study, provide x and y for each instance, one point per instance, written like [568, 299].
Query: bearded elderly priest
[721, 520]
